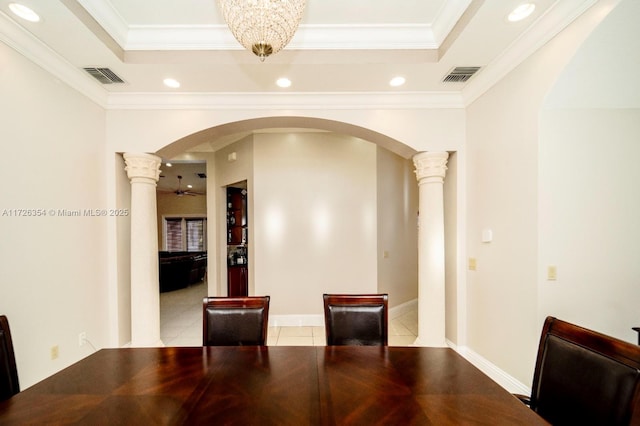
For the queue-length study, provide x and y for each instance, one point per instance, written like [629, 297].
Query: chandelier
[263, 26]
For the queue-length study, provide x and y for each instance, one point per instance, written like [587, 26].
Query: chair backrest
[356, 319]
[235, 321]
[585, 377]
[9, 385]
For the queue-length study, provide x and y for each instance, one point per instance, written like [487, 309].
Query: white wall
[397, 224]
[589, 222]
[53, 283]
[507, 167]
[502, 187]
[333, 219]
[589, 204]
[314, 219]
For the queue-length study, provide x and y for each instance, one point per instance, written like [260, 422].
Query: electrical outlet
[82, 338]
[54, 352]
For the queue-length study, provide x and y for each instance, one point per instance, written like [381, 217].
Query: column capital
[431, 166]
[142, 167]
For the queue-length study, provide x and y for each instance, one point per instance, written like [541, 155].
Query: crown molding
[307, 37]
[108, 18]
[447, 18]
[349, 37]
[298, 101]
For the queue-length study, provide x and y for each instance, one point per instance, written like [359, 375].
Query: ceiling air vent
[104, 75]
[202, 175]
[460, 74]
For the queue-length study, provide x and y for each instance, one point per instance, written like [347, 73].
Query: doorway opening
[237, 240]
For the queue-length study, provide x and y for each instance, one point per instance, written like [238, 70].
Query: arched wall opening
[368, 243]
[221, 132]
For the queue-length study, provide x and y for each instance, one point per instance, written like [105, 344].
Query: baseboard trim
[296, 320]
[318, 320]
[402, 309]
[508, 382]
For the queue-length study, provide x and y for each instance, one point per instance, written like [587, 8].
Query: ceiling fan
[180, 192]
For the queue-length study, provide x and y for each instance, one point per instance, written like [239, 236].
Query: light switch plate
[473, 263]
[552, 273]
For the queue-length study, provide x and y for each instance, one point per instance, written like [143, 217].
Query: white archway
[217, 132]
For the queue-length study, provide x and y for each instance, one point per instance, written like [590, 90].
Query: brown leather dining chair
[583, 377]
[9, 385]
[235, 321]
[356, 319]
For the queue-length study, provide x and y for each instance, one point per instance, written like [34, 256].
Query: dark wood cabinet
[237, 250]
[237, 281]
[236, 216]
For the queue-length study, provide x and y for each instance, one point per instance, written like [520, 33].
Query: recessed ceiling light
[169, 164]
[170, 82]
[283, 82]
[24, 12]
[397, 81]
[521, 12]
[189, 186]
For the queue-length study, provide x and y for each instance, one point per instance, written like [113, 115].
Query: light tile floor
[181, 323]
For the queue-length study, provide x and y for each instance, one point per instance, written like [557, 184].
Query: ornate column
[431, 168]
[144, 171]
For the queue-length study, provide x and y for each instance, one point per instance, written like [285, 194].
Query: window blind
[195, 234]
[185, 234]
[174, 234]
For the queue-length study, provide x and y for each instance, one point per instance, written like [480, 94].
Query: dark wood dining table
[279, 385]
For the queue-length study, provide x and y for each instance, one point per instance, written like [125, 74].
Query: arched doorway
[216, 139]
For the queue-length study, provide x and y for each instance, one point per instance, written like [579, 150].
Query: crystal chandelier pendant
[263, 26]
[262, 50]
